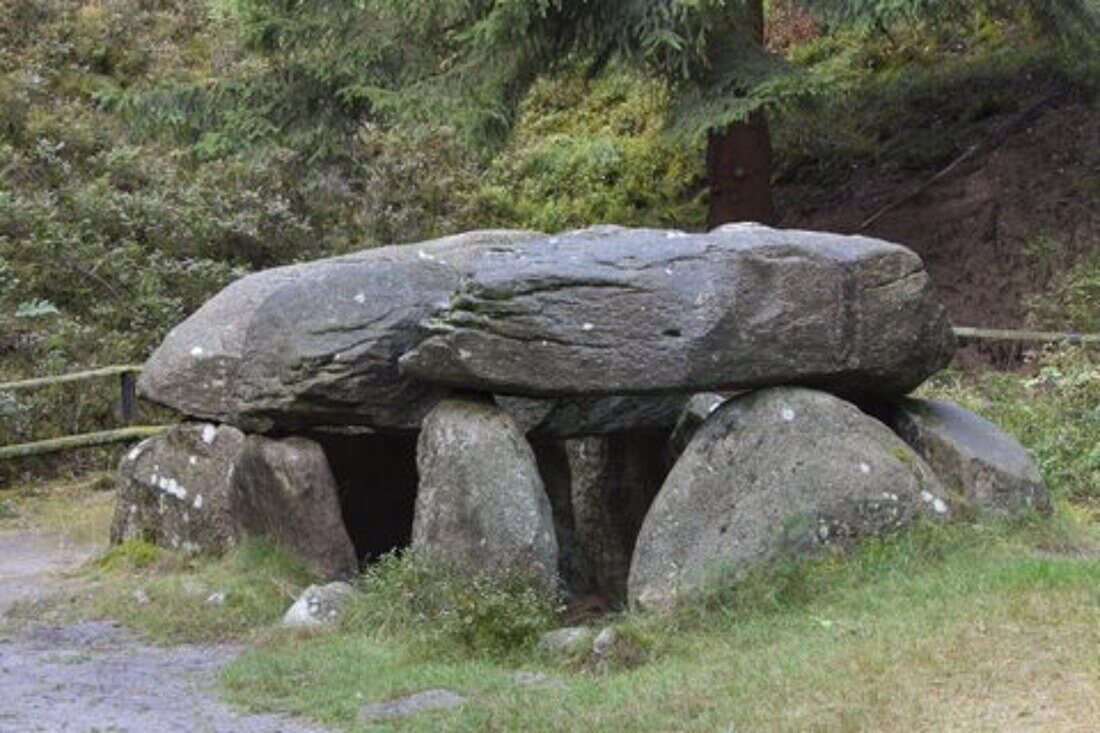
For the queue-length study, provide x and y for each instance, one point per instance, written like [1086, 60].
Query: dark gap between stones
[377, 479]
[600, 489]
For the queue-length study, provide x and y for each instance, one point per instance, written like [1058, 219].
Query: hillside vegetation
[151, 152]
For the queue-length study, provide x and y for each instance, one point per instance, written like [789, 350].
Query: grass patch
[76, 510]
[168, 595]
[902, 633]
[974, 625]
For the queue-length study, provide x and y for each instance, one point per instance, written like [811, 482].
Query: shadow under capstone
[377, 477]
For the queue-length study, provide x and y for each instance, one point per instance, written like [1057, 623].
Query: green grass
[258, 581]
[979, 625]
[77, 510]
[927, 630]
[976, 625]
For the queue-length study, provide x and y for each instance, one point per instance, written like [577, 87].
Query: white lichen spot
[208, 433]
[360, 298]
[587, 327]
[675, 234]
[192, 460]
[196, 351]
[133, 508]
[464, 354]
[927, 496]
[198, 501]
[864, 468]
[939, 506]
[191, 547]
[171, 487]
[421, 254]
[786, 413]
[668, 270]
[888, 496]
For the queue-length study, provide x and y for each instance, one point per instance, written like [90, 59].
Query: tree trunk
[739, 160]
[739, 173]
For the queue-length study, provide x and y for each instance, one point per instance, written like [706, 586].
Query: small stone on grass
[417, 702]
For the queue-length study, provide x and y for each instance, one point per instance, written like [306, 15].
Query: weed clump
[444, 609]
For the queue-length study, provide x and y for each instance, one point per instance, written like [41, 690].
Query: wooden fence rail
[109, 371]
[84, 440]
[127, 373]
[1036, 337]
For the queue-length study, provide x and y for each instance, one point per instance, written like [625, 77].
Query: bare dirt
[998, 229]
[95, 676]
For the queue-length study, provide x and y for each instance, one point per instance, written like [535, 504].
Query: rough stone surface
[972, 456]
[572, 417]
[603, 642]
[174, 489]
[613, 482]
[696, 411]
[418, 702]
[481, 502]
[319, 605]
[285, 490]
[621, 311]
[566, 640]
[783, 471]
[315, 343]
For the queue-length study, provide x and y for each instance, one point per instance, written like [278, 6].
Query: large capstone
[174, 489]
[776, 473]
[971, 456]
[625, 311]
[481, 503]
[285, 490]
[315, 343]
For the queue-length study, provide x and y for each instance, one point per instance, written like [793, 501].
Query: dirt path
[94, 676]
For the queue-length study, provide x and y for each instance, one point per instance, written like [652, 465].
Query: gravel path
[94, 676]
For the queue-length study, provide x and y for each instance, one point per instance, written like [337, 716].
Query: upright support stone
[285, 489]
[971, 455]
[574, 568]
[174, 489]
[781, 472]
[614, 480]
[481, 502]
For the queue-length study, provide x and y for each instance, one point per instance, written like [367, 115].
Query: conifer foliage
[469, 62]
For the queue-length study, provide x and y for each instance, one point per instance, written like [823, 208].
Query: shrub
[442, 607]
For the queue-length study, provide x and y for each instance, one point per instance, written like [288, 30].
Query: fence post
[126, 405]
